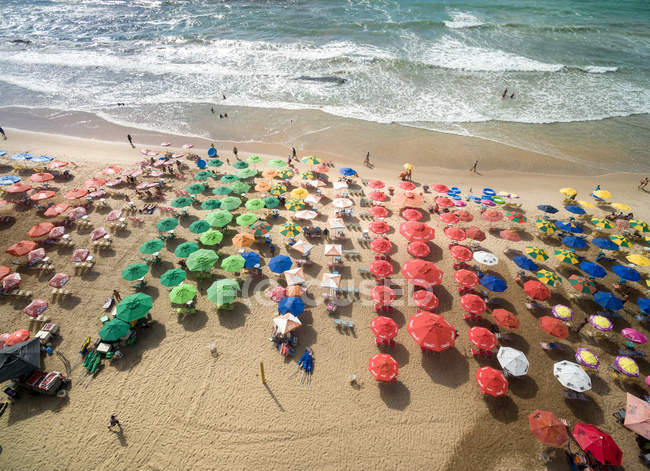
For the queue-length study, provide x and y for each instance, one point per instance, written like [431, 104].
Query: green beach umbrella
[230, 178]
[215, 163]
[254, 159]
[167, 224]
[135, 271]
[202, 175]
[230, 202]
[186, 248]
[218, 218]
[202, 260]
[152, 246]
[239, 165]
[307, 175]
[195, 189]
[181, 202]
[290, 229]
[223, 291]
[222, 190]
[294, 205]
[211, 237]
[198, 227]
[173, 277]
[285, 173]
[260, 228]
[247, 173]
[240, 187]
[254, 204]
[114, 330]
[246, 219]
[134, 307]
[277, 163]
[277, 190]
[270, 202]
[211, 204]
[311, 160]
[182, 294]
[233, 263]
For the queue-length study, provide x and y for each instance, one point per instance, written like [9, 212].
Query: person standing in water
[2, 131]
[234, 151]
[128, 136]
[505, 92]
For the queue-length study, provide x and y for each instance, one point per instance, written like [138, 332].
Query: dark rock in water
[327, 78]
[20, 41]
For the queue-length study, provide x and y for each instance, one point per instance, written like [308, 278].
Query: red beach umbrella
[379, 227]
[492, 215]
[378, 211]
[439, 188]
[377, 196]
[422, 273]
[598, 443]
[411, 214]
[536, 290]
[79, 255]
[114, 215]
[464, 215]
[376, 184]
[418, 249]
[466, 278]
[41, 177]
[39, 230]
[454, 233]
[414, 230]
[491, 381]
[475, 233]
[4, 271]
[426, 300]
[444, 202]
[409, 198]
[384, 328]
[97, 233]
[56, 232]
[18, 188]
[21, 248]
[383, 367]
[381, 245]
[473, 304]
[35, 308]
[512, 236]
[94, 182]
[17, 337]
[320, 168]
[381, 268]
[554, 327]
[59, 280]
[9, 282]
[383, 295]
[461, 253]
[56, 209]
[482, 338]
[111, 170]
[42, 195]
[75, 194]
[505, 319]
[57, 164]
[406, 185]
[449, 218]
[431, 331]
[547, 428]
[36, 255]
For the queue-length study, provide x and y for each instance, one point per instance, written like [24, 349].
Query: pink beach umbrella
[278, 293]
[11, 281]
[79, 255]
[97, 233]
[56, 232]
[59, 280]
[114, 215]
[35, 308]
[76, 213]
[634, 335]
[460, 204]
[36, 255]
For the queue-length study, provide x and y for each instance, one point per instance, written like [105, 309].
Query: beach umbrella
[39, 230]
[494, 283]
[114, 330]
[379, 211]
[218, 218]
[463, 215]
[4, 271]
[634, 335]
[383, 367]
[167, 224]
[575, 210]
[263, 186]
[444, 202]
[569, 226]
[342, 203]
[270, 202]
[8, 180]
[547, 428]
[512, 236]
[592, 269]
[222, 190]
[585, 204]
[405, 185]
[377, 196]
[333, 250]
[461, 253]
[608, 300]
[135, 271]
[574, 242]
[239, 188]
[491, 381]
[482, 338]
[525, 263]
[223, 291]
[381, 268]
[425, 300]
[240, 165]
[547, 227]
[306, 214]
[173, 277]
[229, 178]
[422, 273]
[294, 205]
[474, 233]
[454, 233]
[637, 416]
[601, 223]
[513, 361]
[505, 319]
[431, 331]
[292, 304]
[277, 190]
[182, 293]
[246, 173]
[562, 312]
[414, 230]
[211, 237]
[286, 173]
[80, 255]
[200, 226]
[75, 194]
[201, 260]
[56, 209]
[439, 188]
[587, 358]
[473, 304]
[35, 308]
[42, 195]
[230, 202]
[41, 177]
[537, 253]
[382, 295]
[572, 376]
[134, 307]
[626, 273]
[181, 202]
[549, 278]
[290, 229]
[18, 188]
[278, 293]
[36, 256]
[17, 337]
[620, 241]
[602, 194]
[604, 244]
[639, 260]
[347, 171]
[567, 256]
[260, 228]
[409, 198]
[600, 445]
[308, 175]
[582, 284]
[211, 204]
[233, 263]
[384, 328]
[94, 182]
[601, 323]
[152, 246]
[254, 159]
[447, 218]
[626, 366]
[254, 204]
[376, 184]
[639, 225]
[251, 259]
[492, 215]
[311, 160]
[54, 164]
[280, 264]
[299, 193]
[114, 215]
[202, 175]
[243, 240]
[553, 326]
[195, 189]
[246, 219]
[568, 192]
[516, 217]
[466, 278]
[536, 290]
[286, 323]
[381, 245]
[485, 258]
[277, 163]
[644, 304]
[111, 170]
[418, 249]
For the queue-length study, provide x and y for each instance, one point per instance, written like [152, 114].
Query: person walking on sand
[128, 136]
[212, 109]
[474, 167]
[642, 185]
[366, 161]
[293, 153]
[234, 151]
[114, 422]
[117, 296]
[2, 131]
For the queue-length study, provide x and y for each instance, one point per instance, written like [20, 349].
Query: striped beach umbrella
[620, 241]
[311, 160]
[639, 225]
[601, 223]
[545, 226]
[516, 217]
[549, 278]
[562, 312]
[290, 229]
[277, 190]
[260, 228]
[601, 323]
[537, 253]
[627, 366]
[285, 173]
[566, 256]
[308, 175]
[294, 205]
[582, 284]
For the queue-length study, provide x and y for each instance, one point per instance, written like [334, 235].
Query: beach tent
[20, 359]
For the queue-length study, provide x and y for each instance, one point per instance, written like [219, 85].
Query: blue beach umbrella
[525, 263]
[608, 301]
[42, 158]
[494, 283]
[575, 209]
[9, 180]
[22, 156]
[547, 208]
[280, 264]
[212, 152]
[292, 304]
[604, 244]
[626, 273]
[348, 172]
[592, 269]
[574, 242]
[569, 226]
[251, 259]
[489, 192]
[644, 304]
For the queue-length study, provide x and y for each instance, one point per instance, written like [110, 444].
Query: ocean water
[439, 65]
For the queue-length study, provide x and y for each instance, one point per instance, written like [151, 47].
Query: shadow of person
[395, 395]
[119, 433]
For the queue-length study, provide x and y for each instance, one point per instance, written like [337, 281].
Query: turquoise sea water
[439, 65]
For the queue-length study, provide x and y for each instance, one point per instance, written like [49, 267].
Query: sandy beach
[182, 408]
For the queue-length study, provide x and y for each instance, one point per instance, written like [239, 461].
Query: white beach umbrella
[302, 246]
[485, 258]
[331, 280]
[305, 214]
[340, 185]
[572, 376]
[513, 361]
[313, 198]
[295, 276]
[333, 250]
[342, 203]
[286, 323]
[336, 223]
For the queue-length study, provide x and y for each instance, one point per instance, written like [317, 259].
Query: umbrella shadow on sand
[524, 387]
[148, 339]
[445, 299]
[503, 408]
[235, 318]
[395, 395]
[587, 411]
[194, 321]
[436, 253]
[449, 368]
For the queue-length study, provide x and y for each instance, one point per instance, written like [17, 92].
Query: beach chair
[619, 415]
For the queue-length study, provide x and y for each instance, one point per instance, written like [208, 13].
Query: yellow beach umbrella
[639, 225]
[639, 260]
[568, 192]
[602, 194]
[620, 241]
[409, 167]
[546, 226]
[627, 366]
[566, 256]
[621, 206]
[587, 358]
[585, 204]
[601, 323]
[601, 223]
[562, 312]
[537, 253]
[548, 277]
[299, 193]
